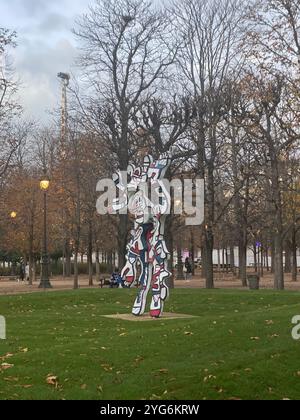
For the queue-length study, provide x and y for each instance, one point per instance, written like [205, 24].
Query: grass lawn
[239, 347]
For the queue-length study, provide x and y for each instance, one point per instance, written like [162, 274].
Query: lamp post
[13, 216]
[45, 282]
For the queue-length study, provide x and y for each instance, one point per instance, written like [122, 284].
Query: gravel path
[222, 281]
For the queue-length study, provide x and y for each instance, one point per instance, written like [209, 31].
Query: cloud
[38, 65]
[39, 58]
[32, 7]
[49, 27]
[46, 46]
[54, 22]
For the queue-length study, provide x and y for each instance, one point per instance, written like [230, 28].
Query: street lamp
[13, 215]
[45, 282]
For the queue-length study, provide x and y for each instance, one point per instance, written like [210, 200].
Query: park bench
[104, 282]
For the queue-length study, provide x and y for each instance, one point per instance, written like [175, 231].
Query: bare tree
[126, 52]
[210, 33]
[9, 109]
[273, 30]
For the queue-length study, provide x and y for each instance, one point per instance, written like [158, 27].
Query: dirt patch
[147, 317]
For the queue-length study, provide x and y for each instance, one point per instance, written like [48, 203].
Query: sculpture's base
[146, 317]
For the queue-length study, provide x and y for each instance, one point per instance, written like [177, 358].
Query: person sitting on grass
[116, 279]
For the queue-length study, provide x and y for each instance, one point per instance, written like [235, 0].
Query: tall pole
[65, 80]
[45, 282]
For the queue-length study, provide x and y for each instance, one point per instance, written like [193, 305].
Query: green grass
[214, 356]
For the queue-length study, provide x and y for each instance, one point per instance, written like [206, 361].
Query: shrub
[5, 271]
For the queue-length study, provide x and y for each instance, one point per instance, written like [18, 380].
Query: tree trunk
[76, 282]
[34, 270]
[261, 261]
[255, 258]
[219, 259]
[243, 261]
[170, 246]
[68, 268]
[122, 239]
[180, 275]
[110, 263]
[294, 254]
[267, 259]
[97, 266]
[209, 259]
[203, 260]
[288, 257]
[273, 257]
[227, 260]
[193, 253]
[232, 260]
[278, 262]
[90, 253]
[31, 267]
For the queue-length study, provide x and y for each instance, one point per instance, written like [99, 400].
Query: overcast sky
[46, 46]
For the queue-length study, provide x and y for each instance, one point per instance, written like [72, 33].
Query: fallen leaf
[5, 366]
[52, 380]
[7, 356]
[155, 397]
[209, 377]
[163, 371]
[107, 367]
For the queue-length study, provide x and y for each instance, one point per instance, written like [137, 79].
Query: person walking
[22, 273]
[187, 269]
[27, 273]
